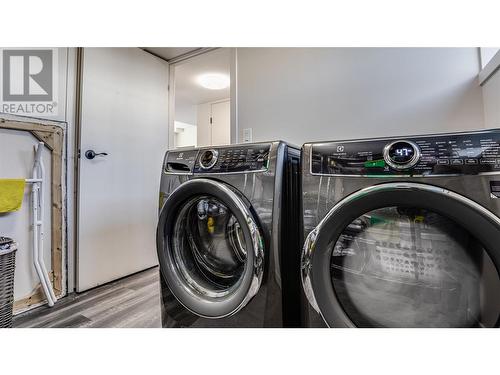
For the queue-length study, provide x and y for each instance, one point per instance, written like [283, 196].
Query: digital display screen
[401, 152]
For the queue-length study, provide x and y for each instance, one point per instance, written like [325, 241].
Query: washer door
[405, 255]
[210, 249]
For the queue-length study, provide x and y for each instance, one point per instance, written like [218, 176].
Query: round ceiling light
[214, 81]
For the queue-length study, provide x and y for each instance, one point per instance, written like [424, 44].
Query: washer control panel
[450, 154]
[239, 158]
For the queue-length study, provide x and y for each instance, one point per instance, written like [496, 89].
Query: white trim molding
[490, 69]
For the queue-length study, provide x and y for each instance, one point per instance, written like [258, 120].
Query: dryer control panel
[450, 154]
[235, 159]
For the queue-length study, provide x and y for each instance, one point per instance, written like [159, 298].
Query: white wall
[16, 161]
[186, 137]
[491, 97]
[307, 94]
[16, 158]
[185, 112]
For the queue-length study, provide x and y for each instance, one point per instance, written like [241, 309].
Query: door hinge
[210, 120]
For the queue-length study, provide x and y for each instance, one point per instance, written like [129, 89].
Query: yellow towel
[11, 194]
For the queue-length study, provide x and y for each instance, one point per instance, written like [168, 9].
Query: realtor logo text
[29, 81]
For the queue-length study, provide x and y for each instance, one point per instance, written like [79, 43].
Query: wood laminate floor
[132, 302]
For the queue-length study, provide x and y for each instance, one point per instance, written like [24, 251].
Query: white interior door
[203, 126]
[124, 113]
[221, 123]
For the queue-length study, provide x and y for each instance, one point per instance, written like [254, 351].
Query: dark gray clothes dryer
[402, 232]
[228, 236]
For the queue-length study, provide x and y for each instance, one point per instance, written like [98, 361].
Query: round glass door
[411, 267]
[404, 254]
[210, 248]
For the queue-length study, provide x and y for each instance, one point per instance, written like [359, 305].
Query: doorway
[122, 141]
[200, 100]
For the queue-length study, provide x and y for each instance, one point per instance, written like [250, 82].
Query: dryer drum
[405, 255]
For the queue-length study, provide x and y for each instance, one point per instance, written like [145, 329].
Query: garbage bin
[8, 250]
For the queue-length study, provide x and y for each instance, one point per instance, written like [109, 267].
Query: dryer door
[210, 248]
[405, 255]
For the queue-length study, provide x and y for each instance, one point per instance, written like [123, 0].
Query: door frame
[76, 191]
[77, 69]
[233, 92]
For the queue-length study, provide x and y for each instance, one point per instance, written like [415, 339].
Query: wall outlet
[247, 135]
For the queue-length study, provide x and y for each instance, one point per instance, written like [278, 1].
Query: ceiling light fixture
[214, 81]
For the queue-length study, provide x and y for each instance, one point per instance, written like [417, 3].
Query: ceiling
[168, 53]
[187, 90]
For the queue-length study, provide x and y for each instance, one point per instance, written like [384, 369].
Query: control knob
[208, 158]
[401, 154]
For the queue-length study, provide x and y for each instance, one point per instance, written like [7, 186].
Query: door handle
[91, 154]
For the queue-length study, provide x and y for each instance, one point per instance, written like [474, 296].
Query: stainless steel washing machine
[402, 232]
[228, 236]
